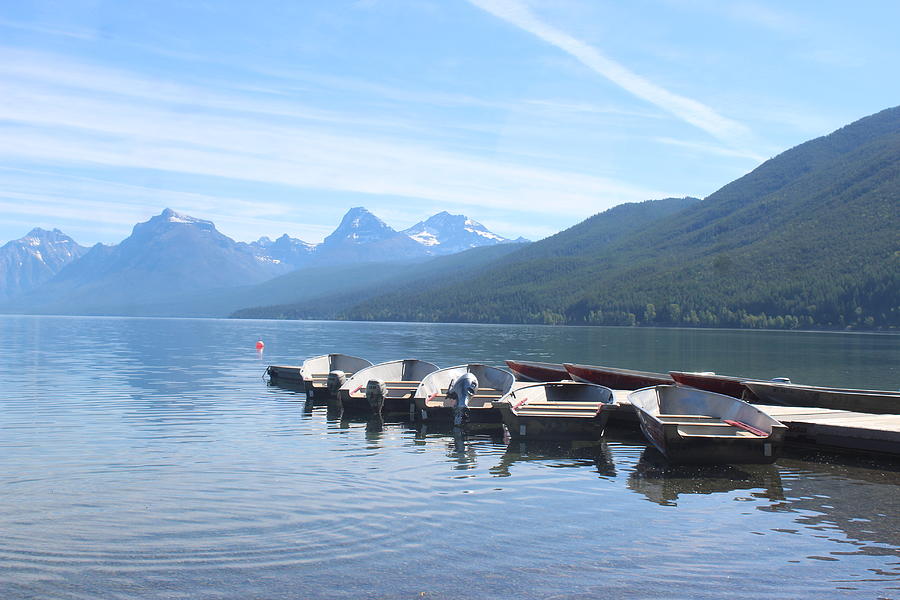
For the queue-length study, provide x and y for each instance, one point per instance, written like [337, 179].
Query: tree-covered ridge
[326, 293]
[808, 239]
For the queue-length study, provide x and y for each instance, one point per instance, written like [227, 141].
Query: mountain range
[169, 263]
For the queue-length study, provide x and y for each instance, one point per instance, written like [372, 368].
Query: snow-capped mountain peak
[35, 258]
[360, 226]
[445, 233]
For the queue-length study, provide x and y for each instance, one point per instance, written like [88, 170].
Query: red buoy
[260, 345]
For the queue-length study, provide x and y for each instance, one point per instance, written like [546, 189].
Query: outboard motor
[376, 390]
[461, 389]
[335, 380]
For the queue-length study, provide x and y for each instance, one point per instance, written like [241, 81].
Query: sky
[529, 116]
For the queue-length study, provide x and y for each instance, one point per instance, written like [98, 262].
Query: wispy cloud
[763, 16]
[68, 31]
[60, 113]
[108, 208]
[711, 149]
[686, 109]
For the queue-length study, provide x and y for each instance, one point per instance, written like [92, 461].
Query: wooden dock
[839, 429]
[813, 427]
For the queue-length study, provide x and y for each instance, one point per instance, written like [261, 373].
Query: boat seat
[563, 403]
[673, 416]
[732, 432]
[715, 423]
[557, 413]
[391, 393]
[441, 400]
[583, 407]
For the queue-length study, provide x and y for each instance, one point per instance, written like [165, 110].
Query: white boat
[322, 376]
[432, 403]
[562, 409]
[387, 387]
[792, 394]
[691, 425]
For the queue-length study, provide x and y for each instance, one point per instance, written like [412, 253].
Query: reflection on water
[557, 454]
[662, 483]
[847, 495]
[146, 458]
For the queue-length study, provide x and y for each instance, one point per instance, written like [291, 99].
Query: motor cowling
[376, 391]
[335, 380]
[461, 389]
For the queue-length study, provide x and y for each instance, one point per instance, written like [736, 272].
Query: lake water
[148, 458]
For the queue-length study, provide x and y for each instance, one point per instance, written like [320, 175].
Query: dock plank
[839, 428]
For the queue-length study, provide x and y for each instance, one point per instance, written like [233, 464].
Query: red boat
[526, 370]
[619, 379]
[711, 382]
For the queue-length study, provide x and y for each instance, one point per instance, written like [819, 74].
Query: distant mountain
[444, 233]
[168, 255]
[174, 264]
[291, 252]
[34, 259]
[363, 237]
[808, 239]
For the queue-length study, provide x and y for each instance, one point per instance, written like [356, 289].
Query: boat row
[546, 401]
[777, 391]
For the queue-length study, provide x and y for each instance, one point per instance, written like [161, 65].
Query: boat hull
[444, 414]
[709, 451]
[555, 428]
[688, 425]
[433, 405]
[720, 384]
[314, 373]
[392, 404]
[537, 371]
[285, 374]
[787, 394]
[557, 410]
[401, 378]
[620, 379]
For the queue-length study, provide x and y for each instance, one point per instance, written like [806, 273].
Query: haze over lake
[148, 458]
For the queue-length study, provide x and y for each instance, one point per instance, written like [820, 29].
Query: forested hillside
[325, 293]
[808, 239]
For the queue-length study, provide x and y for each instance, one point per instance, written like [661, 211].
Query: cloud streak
[689, 110]
[66, 115]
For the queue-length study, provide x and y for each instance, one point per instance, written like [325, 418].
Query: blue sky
[529, 116]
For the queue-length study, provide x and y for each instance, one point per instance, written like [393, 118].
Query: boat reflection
[558, 454]
[462, 450]
[374, 426]
[295, 387]
[662, 482]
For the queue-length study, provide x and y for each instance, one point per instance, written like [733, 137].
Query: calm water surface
[147, 458]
